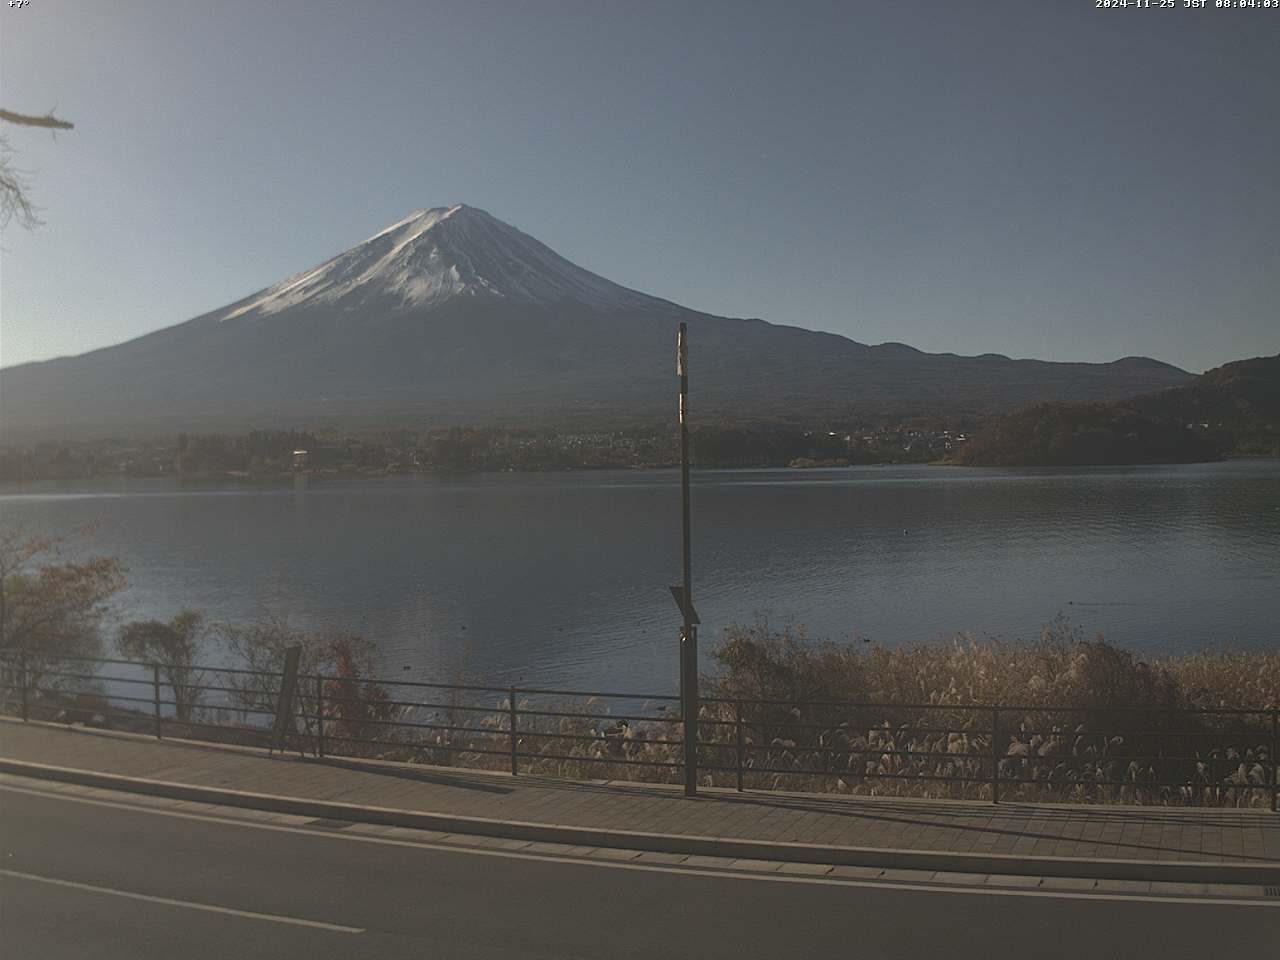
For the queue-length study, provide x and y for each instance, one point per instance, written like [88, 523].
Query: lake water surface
[561, 579]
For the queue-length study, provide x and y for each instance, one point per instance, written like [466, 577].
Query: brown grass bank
[1063, 719]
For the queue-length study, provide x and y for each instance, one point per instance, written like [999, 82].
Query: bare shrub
[1074, 714]
[343, 660]
[52, 607]
[173, 646]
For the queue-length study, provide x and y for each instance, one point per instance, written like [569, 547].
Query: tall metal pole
[689, 632]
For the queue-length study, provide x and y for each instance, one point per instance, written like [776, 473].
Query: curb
[1110, 869]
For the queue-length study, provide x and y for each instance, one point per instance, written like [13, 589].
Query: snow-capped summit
[436, 255]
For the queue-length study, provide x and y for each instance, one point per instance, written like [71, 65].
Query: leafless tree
[173, 646]
[52, 608]
[15, 199]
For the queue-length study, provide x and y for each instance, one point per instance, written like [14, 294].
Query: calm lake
[561, 579]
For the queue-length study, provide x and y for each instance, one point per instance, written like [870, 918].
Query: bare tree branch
[28, 120]
[15, 198]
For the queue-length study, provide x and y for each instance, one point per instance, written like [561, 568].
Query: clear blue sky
[1038, 178]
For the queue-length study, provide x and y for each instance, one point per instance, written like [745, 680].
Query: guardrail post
[689, 709]
[995, 754]
[284, 724]
[319, 716]
[155, 686]
[737, 732]
[24, 681]
[1275, 761]
[511, 723]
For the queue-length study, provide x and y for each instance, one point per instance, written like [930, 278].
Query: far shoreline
[101, 482]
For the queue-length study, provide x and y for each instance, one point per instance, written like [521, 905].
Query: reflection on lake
[562, 578]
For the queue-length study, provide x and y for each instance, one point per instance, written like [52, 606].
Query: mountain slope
[1237, 404]
[452, 316]
[1232, 409]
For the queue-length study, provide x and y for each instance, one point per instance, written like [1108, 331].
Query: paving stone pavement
[1138, 833]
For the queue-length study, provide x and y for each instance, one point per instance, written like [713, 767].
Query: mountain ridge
[452, 315]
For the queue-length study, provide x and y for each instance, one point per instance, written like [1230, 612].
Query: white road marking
[646, 867]
[187, 904]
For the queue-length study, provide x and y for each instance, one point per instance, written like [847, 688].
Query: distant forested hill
[1239, 402]
[1231, 410]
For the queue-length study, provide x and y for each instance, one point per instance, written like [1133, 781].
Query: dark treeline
[1233, 410]
[257, 451]
[724, 447]
[459, 449]
[1067, 434]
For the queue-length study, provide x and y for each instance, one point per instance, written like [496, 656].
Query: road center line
[208, 908]
[724, 874]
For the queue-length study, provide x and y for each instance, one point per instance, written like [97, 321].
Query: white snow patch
[435, 255]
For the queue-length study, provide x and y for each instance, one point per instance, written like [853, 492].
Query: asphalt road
[97, 881]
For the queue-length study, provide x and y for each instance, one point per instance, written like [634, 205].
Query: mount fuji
[434, 256]
[451, 316]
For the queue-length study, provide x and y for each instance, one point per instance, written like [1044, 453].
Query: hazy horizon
[1055, 182]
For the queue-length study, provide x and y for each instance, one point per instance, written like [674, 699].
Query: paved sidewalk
[1168, 835]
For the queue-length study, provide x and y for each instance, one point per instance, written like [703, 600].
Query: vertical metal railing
[25, 681]
[737, 737]
[995, 754]
[155, 688]
[319, 716]
[1275, 760]
[512, 725]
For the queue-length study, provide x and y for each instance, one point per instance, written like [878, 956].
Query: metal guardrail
[341, 716]
[1195, 756]
[1096, 750]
